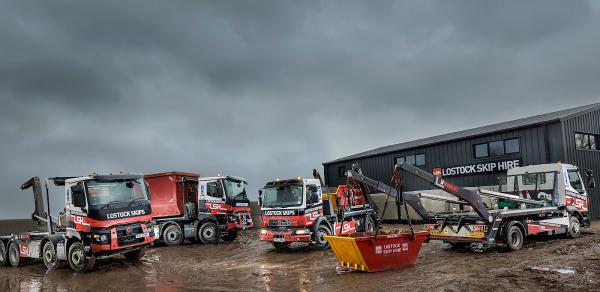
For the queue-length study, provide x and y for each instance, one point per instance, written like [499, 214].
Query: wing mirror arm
[591, 180]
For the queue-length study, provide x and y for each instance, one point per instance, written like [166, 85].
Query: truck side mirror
[78, 196]
[591, 180]
[315, 198]
[260, 192]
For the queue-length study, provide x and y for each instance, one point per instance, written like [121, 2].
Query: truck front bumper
[112, 244]
[290, 235]
[241, 220]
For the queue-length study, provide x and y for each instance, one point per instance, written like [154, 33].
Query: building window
[497, 148]
[481, 150]
[341, 171]
[587, 141]
[417, 160]
[400, 160]
[512, 146]
[420, 160]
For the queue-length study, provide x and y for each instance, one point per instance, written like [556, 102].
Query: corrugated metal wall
[585, 159]
[533, 151]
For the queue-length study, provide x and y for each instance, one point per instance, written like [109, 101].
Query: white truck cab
[558, 184]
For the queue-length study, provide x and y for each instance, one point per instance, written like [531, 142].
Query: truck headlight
[100, 238]
[263, 231]
[302, 231]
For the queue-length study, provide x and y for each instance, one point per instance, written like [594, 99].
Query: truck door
[77, 207]
[575, 193]
[314, 202]
[215, 196]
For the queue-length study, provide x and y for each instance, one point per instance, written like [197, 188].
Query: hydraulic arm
[411, 200]
[471, 197]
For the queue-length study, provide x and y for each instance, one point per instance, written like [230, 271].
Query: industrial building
[477, 157]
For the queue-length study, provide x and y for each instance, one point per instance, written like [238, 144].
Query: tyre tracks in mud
[250, 265]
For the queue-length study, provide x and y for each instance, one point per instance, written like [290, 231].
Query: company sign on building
[479, 168]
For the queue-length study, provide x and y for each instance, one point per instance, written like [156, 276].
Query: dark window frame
[586, 141]
[489, 152]
[341, 171]
[500, 143]
[518, 146]
[403, 158]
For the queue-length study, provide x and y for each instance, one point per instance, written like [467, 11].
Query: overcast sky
[266, 89]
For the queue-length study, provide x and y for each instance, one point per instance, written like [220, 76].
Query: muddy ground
[250, 265]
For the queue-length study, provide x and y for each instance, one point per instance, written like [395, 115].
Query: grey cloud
[268, 89]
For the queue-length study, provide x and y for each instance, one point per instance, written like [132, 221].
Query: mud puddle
[250, 265]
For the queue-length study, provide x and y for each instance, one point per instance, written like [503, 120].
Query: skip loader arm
[471, 197]
[411, 200]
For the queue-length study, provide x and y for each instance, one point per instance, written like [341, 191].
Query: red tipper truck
[186, 206]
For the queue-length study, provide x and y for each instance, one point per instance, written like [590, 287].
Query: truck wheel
[135, 255]
[208, 232]
[172, 235]
[231, 235]
[15, 257]
[49, 255]
[514, 237]
[78, 261]
[574, 227]
[281, 246]
[320, 243]
[3, 255]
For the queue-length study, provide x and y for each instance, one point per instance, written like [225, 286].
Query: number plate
[142, 235]
[278, 239]
[476, 234]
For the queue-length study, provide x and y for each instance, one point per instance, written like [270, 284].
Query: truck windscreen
[235, 189]
[109, 192]
[282, 196]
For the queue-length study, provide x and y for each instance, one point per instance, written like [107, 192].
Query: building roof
[514, 124]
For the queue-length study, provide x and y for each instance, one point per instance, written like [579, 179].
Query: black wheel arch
[579, 216]
[513, 222]
[207, 217]
[322, 221]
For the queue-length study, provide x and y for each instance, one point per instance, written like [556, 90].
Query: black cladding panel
[588, 123]
[533, 150]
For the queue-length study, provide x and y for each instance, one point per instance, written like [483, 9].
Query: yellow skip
[347, 252]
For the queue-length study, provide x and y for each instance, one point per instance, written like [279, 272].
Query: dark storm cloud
[266, 89]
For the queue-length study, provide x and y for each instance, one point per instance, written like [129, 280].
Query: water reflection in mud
[250, 265]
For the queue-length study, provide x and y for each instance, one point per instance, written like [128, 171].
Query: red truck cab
[186, 206]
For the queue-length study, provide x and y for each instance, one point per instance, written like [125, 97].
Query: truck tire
[282, 246]
[172, 235]
[135, 255]
[231, 235]
[3, 255]
[514, 237]
[14, 256]
[78, 261]
[574, 227]
[319, 242]
[51, 261]
[208, 232]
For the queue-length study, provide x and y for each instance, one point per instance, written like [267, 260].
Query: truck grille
[126, 234]
[280, 222]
